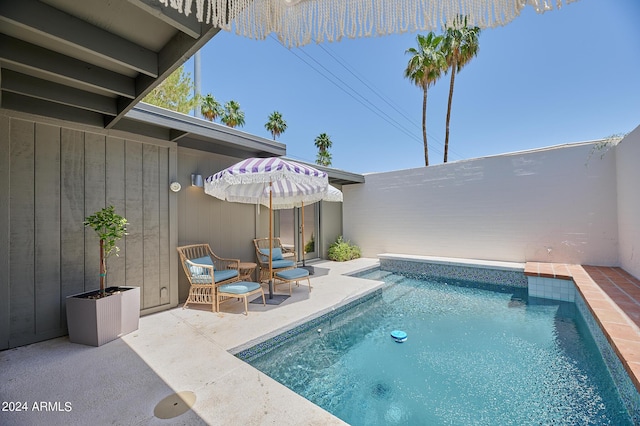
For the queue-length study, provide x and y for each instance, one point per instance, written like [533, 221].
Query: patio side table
[246, 270]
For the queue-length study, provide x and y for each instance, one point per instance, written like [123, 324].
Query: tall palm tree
[232, 115]
[211, 108]
[460, 45]
[276, 124]
[425, 67]
[323, 143]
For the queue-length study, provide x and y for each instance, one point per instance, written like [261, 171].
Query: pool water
[475, 355]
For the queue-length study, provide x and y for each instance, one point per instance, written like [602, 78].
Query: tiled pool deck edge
[275, 337]
[474, 263]
[613, 298]
[250, 350]
[501, 273]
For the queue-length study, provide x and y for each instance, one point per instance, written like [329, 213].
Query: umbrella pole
[273, 299]
[270, 242]
[302, 232]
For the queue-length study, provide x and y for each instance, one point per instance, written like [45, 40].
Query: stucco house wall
[627, 154]
[331, 225]
[556, 204]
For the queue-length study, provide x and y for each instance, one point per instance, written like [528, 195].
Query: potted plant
[100, 316]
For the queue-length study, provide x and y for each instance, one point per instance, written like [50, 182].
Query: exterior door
[291, 231]
[288, 228]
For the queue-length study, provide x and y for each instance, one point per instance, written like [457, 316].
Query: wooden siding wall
[53, 177]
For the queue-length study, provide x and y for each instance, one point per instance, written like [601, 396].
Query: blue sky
[568, 75]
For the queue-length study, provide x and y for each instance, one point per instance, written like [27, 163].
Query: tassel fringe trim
[299, 22]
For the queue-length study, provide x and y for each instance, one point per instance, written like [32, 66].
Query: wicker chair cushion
[276, 254]
[292, 274]
[240, 287]
[225, 274]
[201, 279]
[197, 270]
[205, 260]
[222, 275]
[277, 264]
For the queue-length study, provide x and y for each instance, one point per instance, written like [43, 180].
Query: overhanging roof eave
[207, 134]
[337, 176]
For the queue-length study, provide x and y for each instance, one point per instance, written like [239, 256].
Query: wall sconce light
[196, 180]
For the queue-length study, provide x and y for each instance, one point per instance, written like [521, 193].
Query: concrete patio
[133, 380]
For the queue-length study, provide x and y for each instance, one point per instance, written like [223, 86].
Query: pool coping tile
[613, 298]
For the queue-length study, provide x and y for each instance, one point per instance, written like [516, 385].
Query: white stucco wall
[628, 178]
[556, 204]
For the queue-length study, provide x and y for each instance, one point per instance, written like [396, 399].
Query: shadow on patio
[180, 350]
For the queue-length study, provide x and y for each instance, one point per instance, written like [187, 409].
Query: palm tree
[232, 115]
[323, 143]
[211, 108]
[276, 125]
[460, 45]
[424, 68]
[323, 158]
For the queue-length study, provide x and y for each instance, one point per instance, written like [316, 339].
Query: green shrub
[341, 250]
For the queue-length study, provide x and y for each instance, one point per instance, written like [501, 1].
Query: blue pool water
[474, 355]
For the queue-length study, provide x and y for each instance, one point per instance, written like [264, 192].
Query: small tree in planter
[98, 317]
[110, 228]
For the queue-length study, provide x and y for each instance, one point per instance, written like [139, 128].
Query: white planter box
[95, 322]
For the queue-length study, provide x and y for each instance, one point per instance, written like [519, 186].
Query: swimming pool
[475, 354]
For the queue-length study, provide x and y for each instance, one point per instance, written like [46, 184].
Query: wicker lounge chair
[200, 264]
[282, 258]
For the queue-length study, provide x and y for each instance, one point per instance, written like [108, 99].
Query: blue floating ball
[399, 336]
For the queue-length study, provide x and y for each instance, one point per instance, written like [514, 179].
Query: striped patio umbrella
[273, 182]
[331, 194]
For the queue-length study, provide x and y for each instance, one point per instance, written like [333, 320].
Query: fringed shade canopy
[299, 22]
